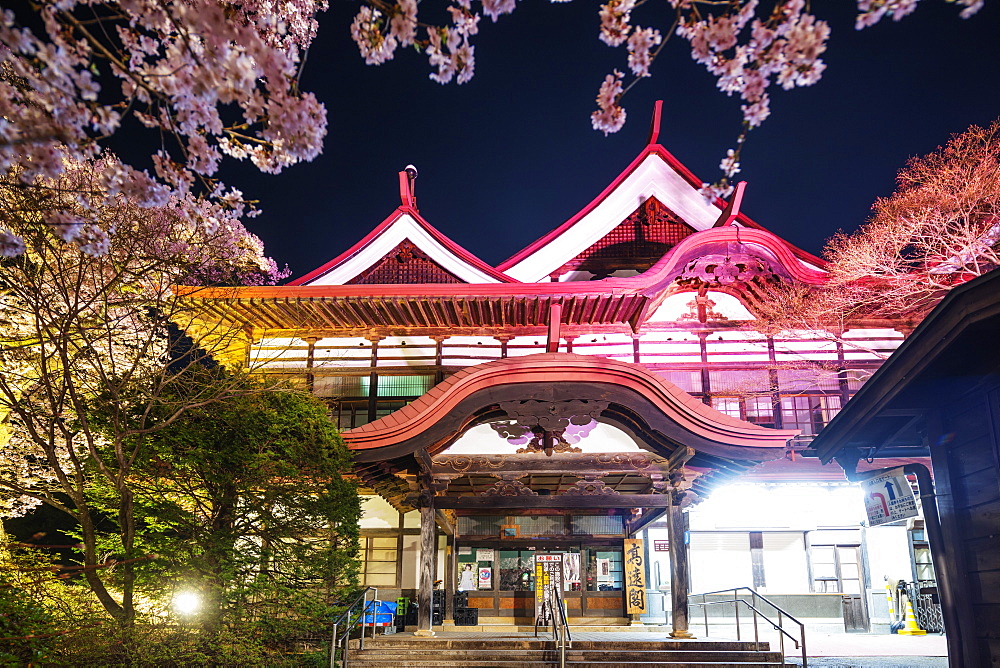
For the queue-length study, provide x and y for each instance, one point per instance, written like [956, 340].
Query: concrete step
[386, 652]
[471, 656]
[391, 642]
[515, 663]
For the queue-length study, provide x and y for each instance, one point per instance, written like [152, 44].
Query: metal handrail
[560, 626]
[752, 605]
[567, 638]
[360, 605]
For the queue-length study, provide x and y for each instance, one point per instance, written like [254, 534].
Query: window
[810, 413]
[605, 570]
[923, 565]
[836, 569]
[378, 560]
[752, 409]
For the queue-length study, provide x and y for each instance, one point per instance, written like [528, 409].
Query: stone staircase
[404, 651]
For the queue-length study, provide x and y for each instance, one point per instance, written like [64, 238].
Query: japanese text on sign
[635, 577]
[888, 498]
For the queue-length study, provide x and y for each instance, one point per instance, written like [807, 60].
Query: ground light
[186, 602]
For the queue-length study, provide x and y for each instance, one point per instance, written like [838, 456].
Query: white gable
[483, 440]
[679, 307]
[654, 177]
[404, 227]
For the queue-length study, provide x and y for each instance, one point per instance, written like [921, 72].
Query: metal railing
[347, 621]
[754, 605]
[556, 612]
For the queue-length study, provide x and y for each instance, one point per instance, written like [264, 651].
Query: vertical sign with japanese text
[548, 577]
[635, 577]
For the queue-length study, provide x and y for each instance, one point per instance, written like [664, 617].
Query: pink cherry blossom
[615, 16]
[403, 25]
[639, 45]
[610, 117]
[376, 46]
[494, 8]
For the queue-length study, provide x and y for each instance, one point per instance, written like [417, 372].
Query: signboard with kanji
[888, 498]
[635, 577]
[548, 577]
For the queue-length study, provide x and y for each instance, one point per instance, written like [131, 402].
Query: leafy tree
[87, 325]
[244, 503]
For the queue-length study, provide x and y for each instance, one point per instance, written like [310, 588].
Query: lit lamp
[186, 602]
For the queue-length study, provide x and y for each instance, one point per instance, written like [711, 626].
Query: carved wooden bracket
[463, 463]
[553, 415]
[509, 485]
[440, 482]
[590, 486]
[729, 268]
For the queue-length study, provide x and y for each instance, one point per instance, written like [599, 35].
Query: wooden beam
[555, 322]
[647, 518]
[578, 465]
[509, 502]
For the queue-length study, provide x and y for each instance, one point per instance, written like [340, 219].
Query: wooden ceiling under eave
[403, 311]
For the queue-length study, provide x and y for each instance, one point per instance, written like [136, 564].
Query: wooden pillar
[679, 571]
[706, 377]
[450, 582]
[373, 380]
[428, 562]
[438, 358]
[310, 362]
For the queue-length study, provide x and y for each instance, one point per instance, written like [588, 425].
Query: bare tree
[939, 229]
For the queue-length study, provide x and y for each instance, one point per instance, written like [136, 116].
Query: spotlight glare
[186, 602]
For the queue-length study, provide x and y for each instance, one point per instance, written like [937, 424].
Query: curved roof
[612, 300]
[452, 406]
[654, 173]
[404, 224]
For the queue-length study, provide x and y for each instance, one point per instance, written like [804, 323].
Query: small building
[589, 388]
[939, 396]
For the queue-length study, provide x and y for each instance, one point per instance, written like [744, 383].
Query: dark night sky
[510, 155]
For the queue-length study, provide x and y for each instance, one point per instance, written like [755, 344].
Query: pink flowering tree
[747, 45]
[89, 326]
[207, 79]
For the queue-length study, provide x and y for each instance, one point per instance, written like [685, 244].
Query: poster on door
[571, 570]
[485, 578]
[635, 576]
[548, 580]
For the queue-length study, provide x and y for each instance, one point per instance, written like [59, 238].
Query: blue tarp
[383, 613]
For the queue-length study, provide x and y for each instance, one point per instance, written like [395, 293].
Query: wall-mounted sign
[635, 576]
[485, 554]
[486, 578]
[889, 498]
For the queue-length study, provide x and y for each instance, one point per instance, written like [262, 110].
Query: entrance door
[837, 568]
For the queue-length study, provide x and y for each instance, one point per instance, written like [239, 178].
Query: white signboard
[486, 578]
[888, 498]
[484, 554]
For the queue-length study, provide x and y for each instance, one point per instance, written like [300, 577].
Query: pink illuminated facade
[575, 395]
